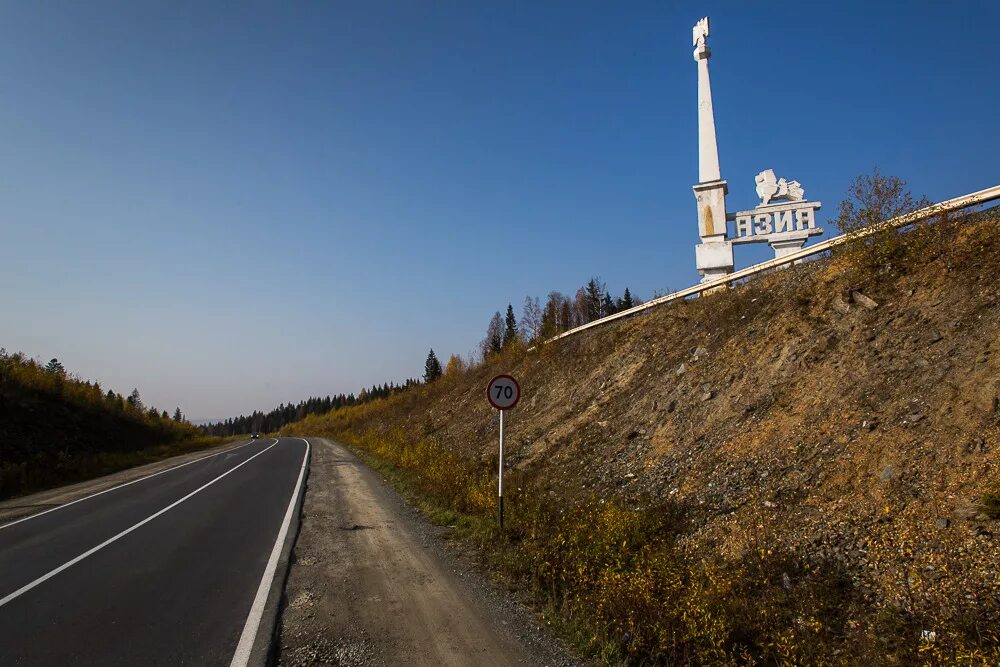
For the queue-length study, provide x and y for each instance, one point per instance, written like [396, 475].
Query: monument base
[714, 258]
[787, 247]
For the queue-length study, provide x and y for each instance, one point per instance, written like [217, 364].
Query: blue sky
[231, 205]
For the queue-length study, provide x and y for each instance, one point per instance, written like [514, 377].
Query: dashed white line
[45, 577]
[115, 488]
[244, 648]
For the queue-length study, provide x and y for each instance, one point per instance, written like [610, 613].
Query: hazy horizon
[232, 208]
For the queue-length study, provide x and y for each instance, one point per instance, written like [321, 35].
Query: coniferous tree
[607, 305]
[566, 316]
[593, 293]
[178, 417]
[432, 369]
[627, 300]
[510, 327]
[134, 400]
[55, 368]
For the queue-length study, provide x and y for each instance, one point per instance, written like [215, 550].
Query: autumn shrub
[873, 200]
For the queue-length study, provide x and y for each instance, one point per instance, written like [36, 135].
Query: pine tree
[432, 369]
[627, 300]
[566, 316]
[593, 293]
[607, 305]
[55, 368]
[134, 399]
[178, 417]
[510, 327]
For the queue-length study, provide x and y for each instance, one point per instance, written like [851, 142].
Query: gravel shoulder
[372, 582]
[16, 508]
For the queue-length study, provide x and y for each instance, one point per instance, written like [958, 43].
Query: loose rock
[864, 301]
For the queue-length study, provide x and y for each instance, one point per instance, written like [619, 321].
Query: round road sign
[503, 392]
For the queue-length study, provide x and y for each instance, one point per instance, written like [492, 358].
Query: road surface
[170, 569]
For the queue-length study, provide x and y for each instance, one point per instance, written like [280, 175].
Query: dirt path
[371, 583]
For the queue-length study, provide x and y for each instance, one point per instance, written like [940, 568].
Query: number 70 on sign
[503, 392]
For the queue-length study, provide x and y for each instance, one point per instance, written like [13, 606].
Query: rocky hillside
[829, 433]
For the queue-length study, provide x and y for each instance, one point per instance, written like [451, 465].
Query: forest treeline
[28, 374]
[57, 428]
[269, 422]
[560, 313]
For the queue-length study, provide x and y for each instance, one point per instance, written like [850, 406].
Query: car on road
[255, 436]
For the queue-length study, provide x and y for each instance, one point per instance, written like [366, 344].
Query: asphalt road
[169, 570]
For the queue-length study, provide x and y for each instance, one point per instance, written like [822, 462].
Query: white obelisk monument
[714, 255]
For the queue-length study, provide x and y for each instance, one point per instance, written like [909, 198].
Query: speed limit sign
[503, 392]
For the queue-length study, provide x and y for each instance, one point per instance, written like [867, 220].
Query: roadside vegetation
[799, 470]
[56, 428]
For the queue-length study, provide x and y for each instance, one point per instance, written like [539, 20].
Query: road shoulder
[373, 582]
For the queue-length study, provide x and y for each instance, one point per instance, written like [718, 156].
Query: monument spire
[708, 149]
[714, 255]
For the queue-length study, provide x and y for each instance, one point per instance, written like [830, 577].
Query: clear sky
[231, 205]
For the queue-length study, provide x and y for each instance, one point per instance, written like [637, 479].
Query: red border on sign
[516, 384]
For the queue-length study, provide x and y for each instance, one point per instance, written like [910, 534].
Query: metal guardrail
[956, 204]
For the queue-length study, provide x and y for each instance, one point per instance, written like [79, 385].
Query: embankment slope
[829, 456]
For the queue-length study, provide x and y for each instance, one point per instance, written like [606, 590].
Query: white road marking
[243, 649]
[45, 577]
[115, 488]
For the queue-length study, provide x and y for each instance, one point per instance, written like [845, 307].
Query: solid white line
[89, 552]
[242, 655]
[115, 488]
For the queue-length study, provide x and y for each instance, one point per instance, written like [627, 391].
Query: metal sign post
[500, 477]
[503, 392]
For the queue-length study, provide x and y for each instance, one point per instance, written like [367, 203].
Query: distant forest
[269, 422]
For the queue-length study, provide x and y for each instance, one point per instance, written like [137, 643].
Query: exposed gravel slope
[846, 418]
